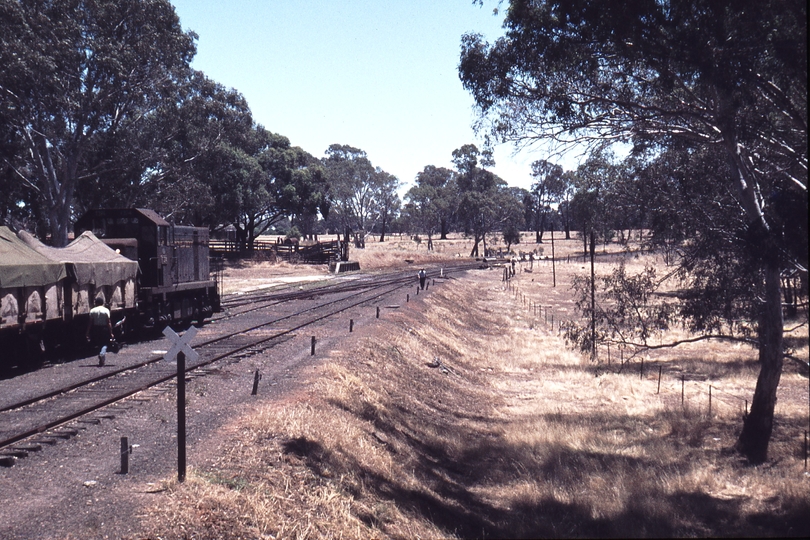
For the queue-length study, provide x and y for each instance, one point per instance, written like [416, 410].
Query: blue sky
[381, 76]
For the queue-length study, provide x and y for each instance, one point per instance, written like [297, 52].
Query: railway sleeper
[29, 447]
[45, 440]
[64, 434]
[16, 452]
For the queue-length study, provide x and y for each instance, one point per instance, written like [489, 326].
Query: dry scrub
[468, 417]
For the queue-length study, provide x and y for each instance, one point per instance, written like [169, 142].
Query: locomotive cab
[174, 279]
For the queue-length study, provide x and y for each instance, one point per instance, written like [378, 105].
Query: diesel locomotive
[174, 281]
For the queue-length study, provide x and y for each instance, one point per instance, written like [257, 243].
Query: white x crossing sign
[181, 343]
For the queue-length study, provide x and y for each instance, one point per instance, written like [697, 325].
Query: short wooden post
[417, 291]
[683, 384]
[256, 378]
[181, 417]
[710, 401]
[351, 325]
[124, 455]
[378, 312]
[312, 353]
[407, 298]
[608, 345]
[641, 371]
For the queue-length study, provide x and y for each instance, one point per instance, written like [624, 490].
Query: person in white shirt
[99, 329]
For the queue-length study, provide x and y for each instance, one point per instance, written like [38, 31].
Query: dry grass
[517, 437]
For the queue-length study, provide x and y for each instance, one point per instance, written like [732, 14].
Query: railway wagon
[31, 298]
[94, 270]
[174, 282]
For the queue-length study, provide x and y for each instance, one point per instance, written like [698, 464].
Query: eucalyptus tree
[432, 202]
[590, 206]
[514, 216]
[361, 195]
[725, 75]
[298, 185]
[388, 200]
[485, 202]
[263, 181]
[349, 173]
[76, 77]
[185, 138]
[547, 189]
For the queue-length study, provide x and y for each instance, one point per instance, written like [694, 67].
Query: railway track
[43, 419]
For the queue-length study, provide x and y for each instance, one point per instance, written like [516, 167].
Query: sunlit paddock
[474, 418]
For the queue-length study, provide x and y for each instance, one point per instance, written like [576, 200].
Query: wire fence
[674, 380]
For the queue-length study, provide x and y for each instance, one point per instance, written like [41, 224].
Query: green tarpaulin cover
[93, 261]
[21, 266]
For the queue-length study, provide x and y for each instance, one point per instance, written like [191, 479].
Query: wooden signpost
[181, 349]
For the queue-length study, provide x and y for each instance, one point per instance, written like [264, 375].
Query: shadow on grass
[692, 369]
[449, 481]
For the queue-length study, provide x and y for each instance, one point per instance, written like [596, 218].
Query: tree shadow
[453, 478]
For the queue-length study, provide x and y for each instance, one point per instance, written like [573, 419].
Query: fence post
[710, 401]
[351, 325]
[256, 378]
[312, 353]
[124, 455]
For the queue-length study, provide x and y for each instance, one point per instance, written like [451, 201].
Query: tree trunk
[758, 424]
[474, 252]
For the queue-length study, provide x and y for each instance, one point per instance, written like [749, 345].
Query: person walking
[422, 277]
[99, 329]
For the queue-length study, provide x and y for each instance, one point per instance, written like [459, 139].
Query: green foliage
[293, 233]
[549, 187]
[361, 195]
[627, 312]
[432, 201]
[485, 202]
[722, 79]
[511, 235]
[78, 78]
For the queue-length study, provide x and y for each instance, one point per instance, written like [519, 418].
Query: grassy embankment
[512, 435]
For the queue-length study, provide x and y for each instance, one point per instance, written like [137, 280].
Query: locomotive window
[163, 236]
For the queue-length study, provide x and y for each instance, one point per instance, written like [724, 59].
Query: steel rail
[61, 420]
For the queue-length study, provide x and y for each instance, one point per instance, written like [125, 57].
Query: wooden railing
[319, 253]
